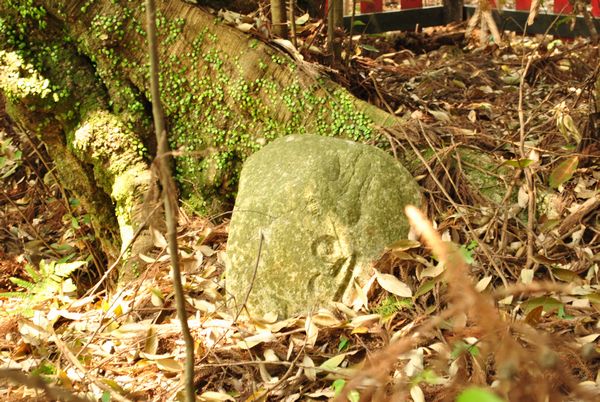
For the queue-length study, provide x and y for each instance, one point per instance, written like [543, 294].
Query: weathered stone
[325, 208]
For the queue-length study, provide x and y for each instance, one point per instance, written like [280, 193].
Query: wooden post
[279, 18]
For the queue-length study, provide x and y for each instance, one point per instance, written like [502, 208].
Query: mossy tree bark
[226, 94]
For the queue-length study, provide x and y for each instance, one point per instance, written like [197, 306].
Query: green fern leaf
[65, 269]
[35, 276]
[22, 283]
[15, 295]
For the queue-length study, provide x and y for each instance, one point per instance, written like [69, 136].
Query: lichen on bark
[103, 141]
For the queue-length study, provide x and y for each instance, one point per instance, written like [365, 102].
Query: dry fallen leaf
[393, 285]
[325, 318]
[416, 393]
[170, 365]
[312, 332]
[309, 368]
[483, 283]
[211, 396]
[252, 341]
[563, 172]
[244, 27]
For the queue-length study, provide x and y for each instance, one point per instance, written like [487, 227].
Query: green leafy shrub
[51, 280]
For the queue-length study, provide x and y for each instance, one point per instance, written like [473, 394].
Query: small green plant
[343, 344]
[475, 394]
[391, 305]
[466, 250]
[51, 280]
[339, 384]
[45, 368]
[426, 376]
[461, 347]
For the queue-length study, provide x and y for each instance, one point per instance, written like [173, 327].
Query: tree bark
[335, 28]
[279, 18]
[225, 95]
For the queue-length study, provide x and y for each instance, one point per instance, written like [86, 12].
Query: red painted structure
[406, 4]
[371, 6]
[560, 6]
[522, 5]
[376, 6]
[564, 7]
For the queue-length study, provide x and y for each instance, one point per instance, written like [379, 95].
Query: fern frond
[65, 269]
[22, 283]
[31, 271]
[51, 279]
[16, 295]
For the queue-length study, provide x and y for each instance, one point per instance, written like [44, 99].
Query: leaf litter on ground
[461, 103]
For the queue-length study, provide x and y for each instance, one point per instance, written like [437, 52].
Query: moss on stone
[337, 228]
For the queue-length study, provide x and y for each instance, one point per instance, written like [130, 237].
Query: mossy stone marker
[324, 208]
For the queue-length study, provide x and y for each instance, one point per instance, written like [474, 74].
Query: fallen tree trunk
[76, 73]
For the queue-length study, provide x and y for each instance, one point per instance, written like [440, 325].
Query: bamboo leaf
[427, 286]
[563, 172]
[333, 363]
[518, 163]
